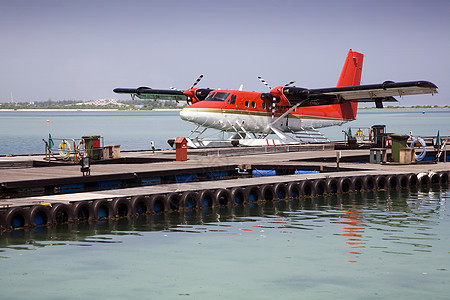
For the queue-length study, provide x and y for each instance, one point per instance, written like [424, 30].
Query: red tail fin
[351, 72]
[350, 75]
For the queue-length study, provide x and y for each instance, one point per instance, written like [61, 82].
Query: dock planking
[120, 197]
[35, 177]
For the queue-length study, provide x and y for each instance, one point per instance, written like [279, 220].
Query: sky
[82, 50]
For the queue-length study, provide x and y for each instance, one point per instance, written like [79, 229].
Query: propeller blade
[274, 106]
[264, 82]
[197, 81]
[288, 84]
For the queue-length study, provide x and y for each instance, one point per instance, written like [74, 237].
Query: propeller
[264, 82]
[197, 81]
[274, 100]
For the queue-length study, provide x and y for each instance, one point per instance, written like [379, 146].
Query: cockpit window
[217, 96]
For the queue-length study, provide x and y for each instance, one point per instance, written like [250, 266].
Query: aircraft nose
[186, 114]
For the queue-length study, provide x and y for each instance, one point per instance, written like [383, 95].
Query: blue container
[71, 188]
[151, 181]
[186, 178]
[257, 173]
[297, 172]
[217, 175]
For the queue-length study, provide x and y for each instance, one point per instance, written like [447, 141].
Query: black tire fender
[253, 194]
[2, 220]
[358, 183]
[173, 201]
[222, 197]
[103, 209]
[320, 187]
[189, 200]
[158, 204]
[61, 213]
[369, 183]
[83, 211]
[121, 207]
[238, 196]
[266, 192]
[307, 188]
[281, 191]
[403, 181]
[393, 182]
[444, 178]
[333, 185]
[381, 182]
[294, 190]
[413, 180]
[40, 215]
[140, 205]
[345, 185]
[434, 178]
[207, 198]
[17, 217]
[423, 179]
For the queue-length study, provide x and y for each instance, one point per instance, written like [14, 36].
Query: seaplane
[294, 114]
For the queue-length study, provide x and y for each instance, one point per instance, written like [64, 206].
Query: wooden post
[338, 157]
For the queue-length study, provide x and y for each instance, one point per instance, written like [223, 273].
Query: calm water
[386, 245]
[21, 132]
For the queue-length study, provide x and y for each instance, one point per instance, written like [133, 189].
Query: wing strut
[286, 113]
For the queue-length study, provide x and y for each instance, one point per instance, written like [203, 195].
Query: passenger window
[246, 104]
[253, 104]
[233, 99]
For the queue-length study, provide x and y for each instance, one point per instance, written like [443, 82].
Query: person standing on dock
[152, 145]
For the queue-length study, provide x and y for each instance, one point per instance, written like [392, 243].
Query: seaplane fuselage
[234, 110]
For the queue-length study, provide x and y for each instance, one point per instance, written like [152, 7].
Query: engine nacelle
[266, 97]
[296, 91]
[195, 95]
[201, 94]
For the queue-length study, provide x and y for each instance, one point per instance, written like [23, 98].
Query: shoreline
[179, 109]
[86, 109]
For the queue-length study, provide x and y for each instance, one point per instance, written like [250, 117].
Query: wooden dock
[146, 182]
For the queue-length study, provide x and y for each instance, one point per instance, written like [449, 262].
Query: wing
[377, 93]
[192, 94]
[154, 94]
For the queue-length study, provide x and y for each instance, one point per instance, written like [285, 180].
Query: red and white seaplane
[292, 113]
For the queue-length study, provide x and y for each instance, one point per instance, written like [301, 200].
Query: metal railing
[70, 149]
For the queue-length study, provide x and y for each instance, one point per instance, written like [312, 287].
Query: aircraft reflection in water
[355, 229]
[292, 113]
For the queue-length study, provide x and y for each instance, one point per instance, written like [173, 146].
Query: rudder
[351, 72]
[350, 75]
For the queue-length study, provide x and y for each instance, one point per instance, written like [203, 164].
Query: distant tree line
[414, 106]
[137, 104]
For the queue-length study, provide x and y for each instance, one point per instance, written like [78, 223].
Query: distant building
[103, 102]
